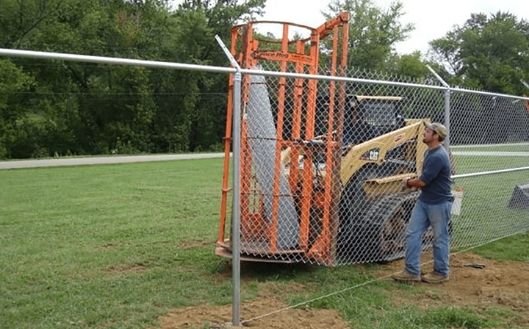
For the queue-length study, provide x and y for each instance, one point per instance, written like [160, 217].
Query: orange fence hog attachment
[287, 202]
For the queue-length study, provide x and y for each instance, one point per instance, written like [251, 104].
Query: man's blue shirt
[436, 175]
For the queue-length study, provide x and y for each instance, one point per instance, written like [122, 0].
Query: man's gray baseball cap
[439, 128]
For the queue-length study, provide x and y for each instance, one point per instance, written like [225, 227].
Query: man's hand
[405, 182]
[413, 183]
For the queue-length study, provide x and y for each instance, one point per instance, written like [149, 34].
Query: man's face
[428, 136]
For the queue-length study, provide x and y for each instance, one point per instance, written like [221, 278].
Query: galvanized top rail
[492, 172]
[217, 69]
[111, 60]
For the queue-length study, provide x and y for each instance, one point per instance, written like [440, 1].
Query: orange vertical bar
[341, 90]
[245, 155]
[227, 147]
[304, 226]
[345, 47]
[246, 173]
[296, 120]
[306, 194]
[340, 117]
[329, 159]
[279, 144]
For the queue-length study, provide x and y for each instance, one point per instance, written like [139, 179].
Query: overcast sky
[432, 19]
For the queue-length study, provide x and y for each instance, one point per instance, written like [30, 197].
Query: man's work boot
[406, 276]
[434, 277]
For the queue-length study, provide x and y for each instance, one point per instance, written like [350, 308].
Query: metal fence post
[235, 238]
[447, 104]
[236, 211]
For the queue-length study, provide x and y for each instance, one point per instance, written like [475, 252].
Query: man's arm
[415, 183]
[432, 167]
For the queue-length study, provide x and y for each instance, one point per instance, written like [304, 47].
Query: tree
[199, 21]
[373, 32]
[409, 65]
[20, 19]
[487, 52]
[55, 107]
[13, 83]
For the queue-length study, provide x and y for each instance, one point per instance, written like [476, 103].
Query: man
[431, 209]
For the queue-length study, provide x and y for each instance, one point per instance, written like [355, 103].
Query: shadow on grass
[264, 270]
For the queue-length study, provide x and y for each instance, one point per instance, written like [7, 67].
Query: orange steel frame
[245, 47]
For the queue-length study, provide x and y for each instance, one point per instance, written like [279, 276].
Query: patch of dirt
[497, 284]
[207, 316]
[219, 317]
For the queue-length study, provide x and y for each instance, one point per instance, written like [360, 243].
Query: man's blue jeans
[423, 216]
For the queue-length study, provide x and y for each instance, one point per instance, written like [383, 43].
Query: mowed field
[131, 246]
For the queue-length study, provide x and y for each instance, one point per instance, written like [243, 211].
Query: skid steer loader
[321, 169]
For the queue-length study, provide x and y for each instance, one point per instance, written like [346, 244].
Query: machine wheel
[392, 234]
[386, 224]
[353, 208]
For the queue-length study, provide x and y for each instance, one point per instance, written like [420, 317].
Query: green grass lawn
[477, 163]
[95, 246]
[466, 164]
[485, 212]
[116, 246]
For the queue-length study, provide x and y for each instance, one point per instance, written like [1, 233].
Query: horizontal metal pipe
[112, 60]
[486, 93]
[179, 66]
[218, 69]
[492, 172]
[340, 79]
[492, 153]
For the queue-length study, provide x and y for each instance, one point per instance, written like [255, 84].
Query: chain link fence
[322, 164]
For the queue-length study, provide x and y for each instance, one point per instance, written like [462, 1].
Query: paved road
[104, 160]
[169, 157]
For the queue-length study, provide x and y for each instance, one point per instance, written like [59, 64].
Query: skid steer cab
[366, 116]
[321, 169]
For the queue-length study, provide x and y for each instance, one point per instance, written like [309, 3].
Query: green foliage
[13, 82]
[373, 32]
[53, 108]
[409, 65]
[487, 52]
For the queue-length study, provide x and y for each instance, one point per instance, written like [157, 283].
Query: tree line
[56, 108]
